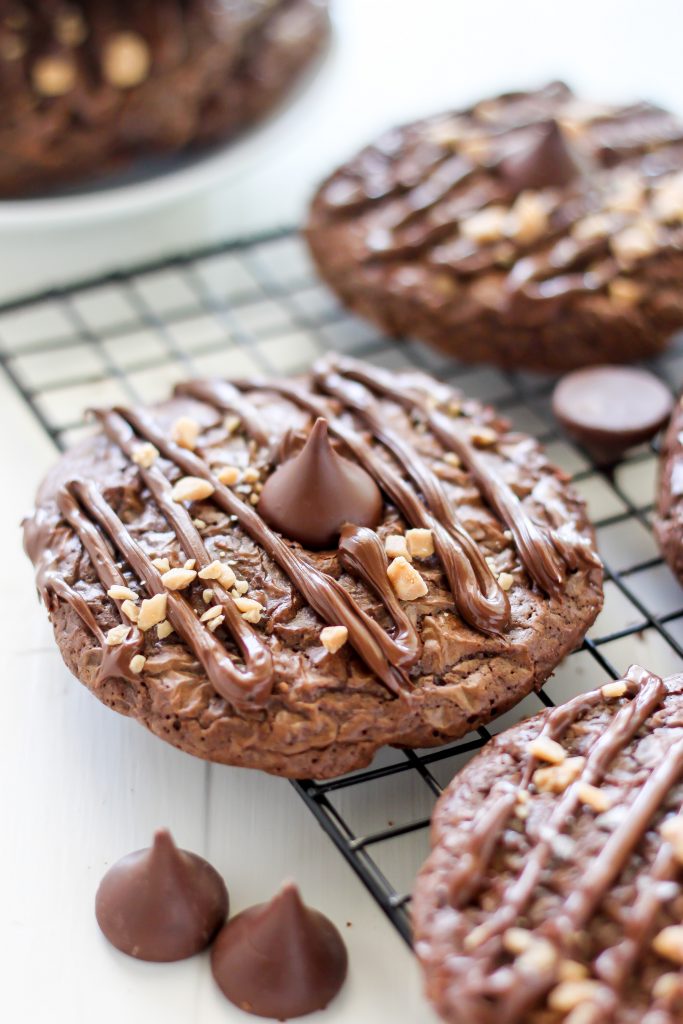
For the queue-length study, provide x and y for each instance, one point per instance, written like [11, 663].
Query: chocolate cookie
[89, 85]
[287, 574]
[553, 890]
[668, 523]
[534, 231]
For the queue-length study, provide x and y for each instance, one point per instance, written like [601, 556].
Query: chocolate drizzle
[324, 594]
[362, 553]
[242, 688]
[347, 394]
[535, 545]
[488, 611]
[491, 987]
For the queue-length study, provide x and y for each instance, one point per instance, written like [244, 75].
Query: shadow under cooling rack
[256, 307]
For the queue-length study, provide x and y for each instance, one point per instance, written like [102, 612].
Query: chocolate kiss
[279, 959]
[311, 496]
[161, 903]
[545, 162]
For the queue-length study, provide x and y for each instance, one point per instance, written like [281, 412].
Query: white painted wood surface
[82, 786]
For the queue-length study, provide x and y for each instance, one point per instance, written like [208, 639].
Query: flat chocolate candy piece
[311, 496]
[280, 959]
[161, 903]
[611, 408]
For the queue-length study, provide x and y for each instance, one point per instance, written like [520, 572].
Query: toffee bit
[145, 455]
[558, 777]
[671, 830]
[396, 546]
[137, 663]
[191, 488]
[483, 437]
[540, 956]
[218, 571]
[185, 432]
[506, 580]
[669, 943]
[118, 593]
[420, 543]
[406, 580]
[116, 635]
[616, 689]
[593, 797]
[164, 629]
[212, 613]
[543, 748]
[229, 475]
[250, 610]
[178, 579]
[152, 611]
[568, 994]
[333, 638]
[130, 610]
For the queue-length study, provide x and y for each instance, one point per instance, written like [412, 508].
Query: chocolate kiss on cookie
[161, 903]
[544, 162]
[311, 496]
[280, 959]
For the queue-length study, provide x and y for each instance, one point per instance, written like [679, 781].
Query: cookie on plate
[553, 891]
[534, 231]
[668, 523]
[288, 574]
[90, 85]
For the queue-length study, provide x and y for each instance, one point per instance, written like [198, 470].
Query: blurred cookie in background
[533, 230]
[88, 86]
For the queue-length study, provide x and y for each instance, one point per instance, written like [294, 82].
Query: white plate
[155, 182]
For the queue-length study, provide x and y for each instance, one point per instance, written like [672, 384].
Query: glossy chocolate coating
[544, 160]
[280, 959]
[609, 409]
[161, 903]
[311, 496]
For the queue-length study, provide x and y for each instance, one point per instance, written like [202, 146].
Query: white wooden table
[81, 785]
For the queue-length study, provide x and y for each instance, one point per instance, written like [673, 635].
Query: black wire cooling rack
[256, 306]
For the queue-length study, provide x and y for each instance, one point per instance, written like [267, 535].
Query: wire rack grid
[256, 306]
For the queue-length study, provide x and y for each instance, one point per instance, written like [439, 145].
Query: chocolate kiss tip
[545, 162]
[310, 497]
[280, 959]
[161, 903]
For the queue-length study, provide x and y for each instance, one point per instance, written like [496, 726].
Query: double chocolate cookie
[533, 230]
[288, 574]
[553, 890]
[88, 85]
